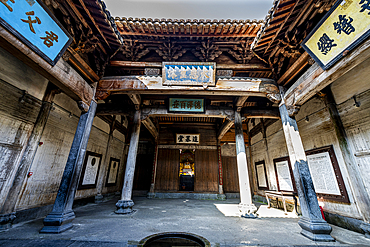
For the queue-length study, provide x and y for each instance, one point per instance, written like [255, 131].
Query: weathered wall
[21, 92]
[316, 132]
[18, 112]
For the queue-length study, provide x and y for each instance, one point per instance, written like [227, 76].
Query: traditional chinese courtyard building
[172, 108]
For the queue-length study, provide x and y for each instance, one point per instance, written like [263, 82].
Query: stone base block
[247, 210]
[124, 207]
[366, 228]
[58, 222]
[221, 197]
[150, 195]
[316, 230]
[99, 198]
[6, 221]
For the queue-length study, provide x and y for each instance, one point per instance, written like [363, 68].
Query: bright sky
[190, 9]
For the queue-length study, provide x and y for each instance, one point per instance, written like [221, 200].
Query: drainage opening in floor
[174, 239]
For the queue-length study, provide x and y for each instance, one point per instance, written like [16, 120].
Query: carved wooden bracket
[271, 90]
[169, 51]
[134, 51]
[242, 53]
[207, 51]
[292, 110]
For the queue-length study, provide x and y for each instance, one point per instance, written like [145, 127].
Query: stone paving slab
[98, 224]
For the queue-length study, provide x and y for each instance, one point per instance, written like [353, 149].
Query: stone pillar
[311, 222]
[151, 193]
[246, 207]
[99, 197]
[8, 210]
[221, 194]
[61, 217]
[358, 187]
[124, 206]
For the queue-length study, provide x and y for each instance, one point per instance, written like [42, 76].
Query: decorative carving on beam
[136, 99]
[242, 53]
[240, 102]
[208, 51]
[152, 72]
[148, 123]
[134, 51]
[224, 129]
[169, 51]
[292, 110]
[271, 90]
[228, 73]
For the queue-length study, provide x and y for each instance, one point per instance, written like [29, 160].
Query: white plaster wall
[15, 72]
[315, 133]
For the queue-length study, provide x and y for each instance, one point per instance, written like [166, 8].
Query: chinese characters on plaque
[188, 74]
[33, 24]
[341, 30]
[187, 138]
[186, 105]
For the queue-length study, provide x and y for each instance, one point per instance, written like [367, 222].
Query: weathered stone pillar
[246, 207]
[358, 187]
[7, 213]
[151, 193]
[221, 194]
[61, 217]
[124, 206]
[99, 197]
[311, 222]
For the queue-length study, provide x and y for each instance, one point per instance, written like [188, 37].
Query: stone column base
[366, 228]
[221, 197]
[150, 195]
[6, 221]
[247, 210]
[316, 230]
[58, 222]
[124, 207]
[99, 198]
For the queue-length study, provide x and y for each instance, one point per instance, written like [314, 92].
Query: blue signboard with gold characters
[345, 26]
[188, 74]
[32, 23]
[186, 105]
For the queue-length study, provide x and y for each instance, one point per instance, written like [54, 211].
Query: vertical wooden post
[358, 187]
[61, 217]
[221, 194]
[151, 193]
[312, 224]
[246, 207]
[100, 184]
[7, 212]
[254, 181]
[124, 206]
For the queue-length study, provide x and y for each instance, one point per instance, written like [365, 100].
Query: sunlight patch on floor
[231, 210]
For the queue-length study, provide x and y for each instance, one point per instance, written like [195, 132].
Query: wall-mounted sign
[341, 29]
[188, 74]
[187, 138]
[90, 170]
[185, 105]
[261, 175]
[32, 23]
[284, 174]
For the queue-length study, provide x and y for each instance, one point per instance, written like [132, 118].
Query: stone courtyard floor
[98, 225]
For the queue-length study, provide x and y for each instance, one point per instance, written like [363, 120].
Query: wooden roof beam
[224, 128]
[148, 123]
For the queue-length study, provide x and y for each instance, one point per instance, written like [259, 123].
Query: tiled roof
[184, 28]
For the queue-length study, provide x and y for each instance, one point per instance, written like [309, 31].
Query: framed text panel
[112, 175]
[326, 175]
[90, 170]
[284, 175]
[262, 182]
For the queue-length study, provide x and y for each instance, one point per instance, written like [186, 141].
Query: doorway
[186, 171]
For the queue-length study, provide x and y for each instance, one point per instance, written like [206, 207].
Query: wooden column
[358, 188]
[124, 206]
[100, 184]
[221, 194]
[61, 217]
[246, 207]
[311, 222]
[151, 193]
[7, 213]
